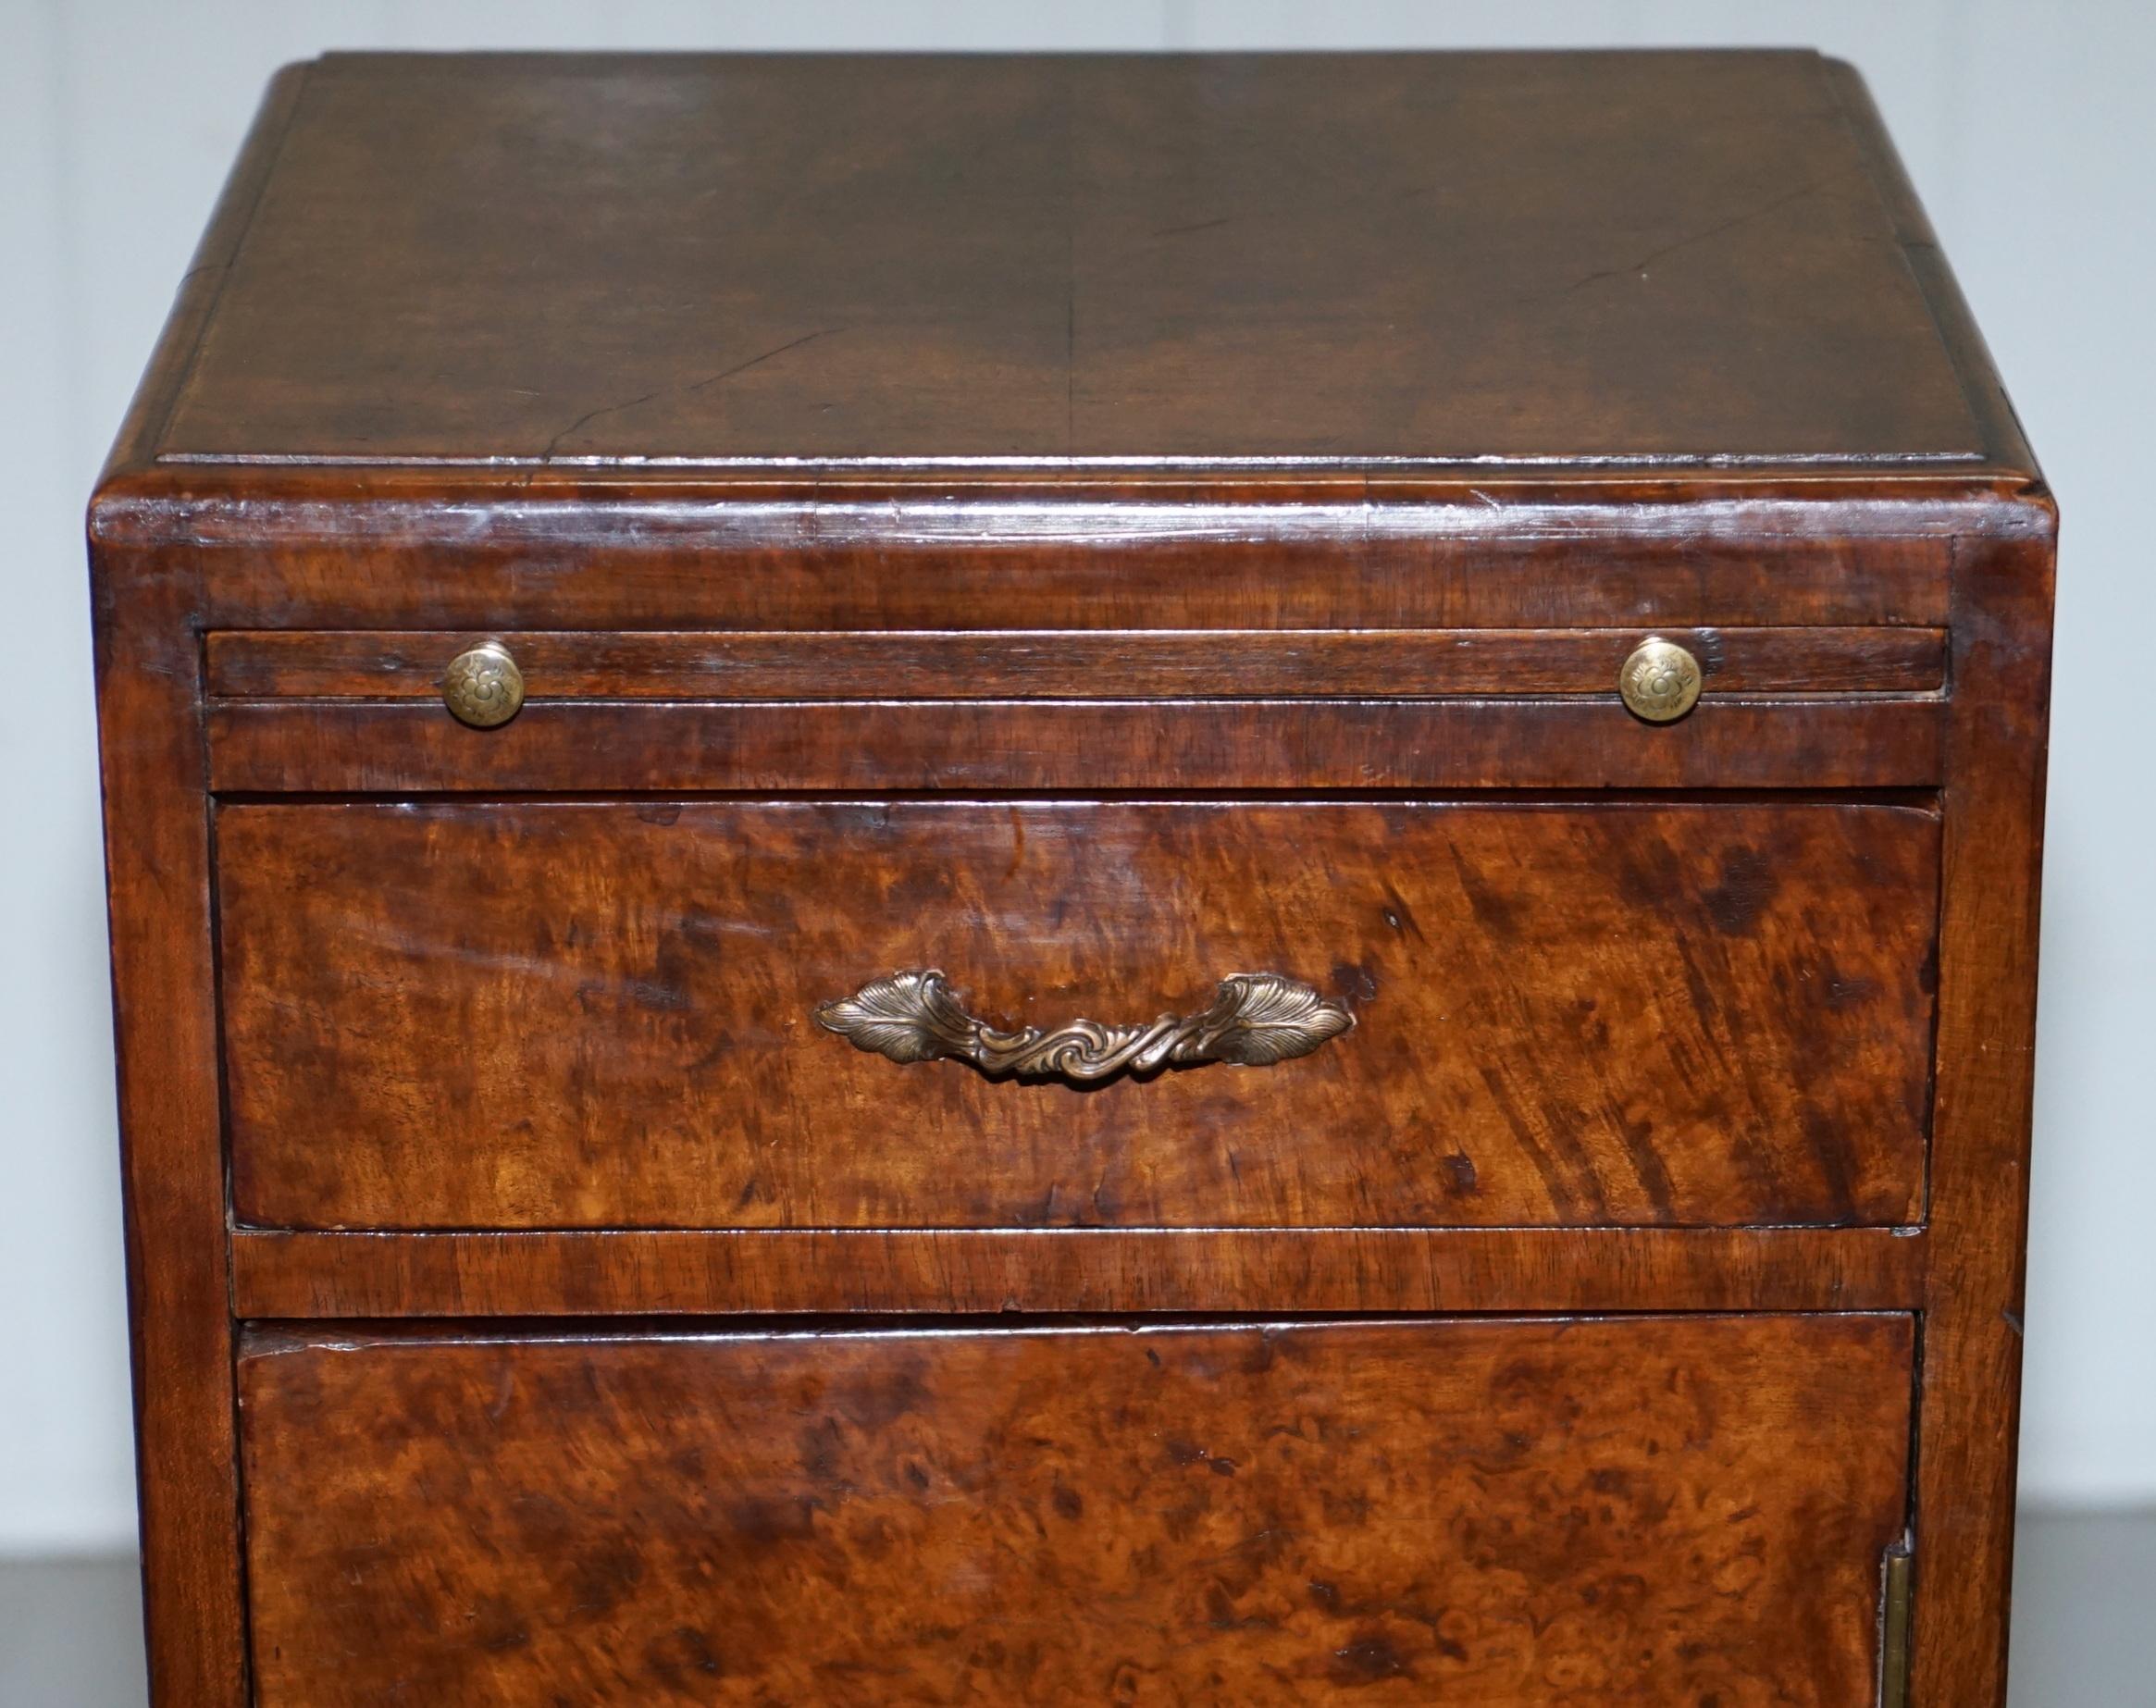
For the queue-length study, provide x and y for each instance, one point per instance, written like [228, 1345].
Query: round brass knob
[1660, 682]
[482, 686]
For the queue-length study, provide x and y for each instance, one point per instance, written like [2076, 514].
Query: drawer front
[1649, 1510]
[512, 1015]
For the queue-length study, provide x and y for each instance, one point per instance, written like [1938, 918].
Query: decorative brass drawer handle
[1256, 1019]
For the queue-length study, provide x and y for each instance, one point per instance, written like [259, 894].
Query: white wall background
[2029, 130]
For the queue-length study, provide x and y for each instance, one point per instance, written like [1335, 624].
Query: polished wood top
[1705, 260]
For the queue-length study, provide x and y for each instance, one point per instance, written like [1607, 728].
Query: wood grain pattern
[157, 855]
[1987, 1048]
[643, 549]
[1650, 1511]
[1089, 1269]
[1067, 665]
[1074, 257]
[588, 1015]
[372, 747]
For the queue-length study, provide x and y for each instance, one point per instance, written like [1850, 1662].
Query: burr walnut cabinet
[1197, 880]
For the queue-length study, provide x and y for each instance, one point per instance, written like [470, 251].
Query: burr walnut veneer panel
[1651, 1510]
[527, 1014]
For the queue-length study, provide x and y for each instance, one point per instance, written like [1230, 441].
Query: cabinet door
[1656, 1510]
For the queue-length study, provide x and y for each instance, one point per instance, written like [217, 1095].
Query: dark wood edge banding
[275, 1337]
[146, 616]
[1969, 1406]
[366, 748]
[135, 447]
[2006, 447]
[1059, 559]
[540, 1274]
[1063, 663]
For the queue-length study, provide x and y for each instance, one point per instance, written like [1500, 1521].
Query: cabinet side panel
[146, 610]
[165, 1018]
[1970, 1405]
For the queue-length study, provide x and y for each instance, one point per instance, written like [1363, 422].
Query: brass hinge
[1895, 1584]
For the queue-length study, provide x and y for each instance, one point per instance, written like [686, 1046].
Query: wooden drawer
[458, 1014]
[1653, 1509]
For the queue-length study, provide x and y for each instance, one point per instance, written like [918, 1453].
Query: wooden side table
[1065, 880]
